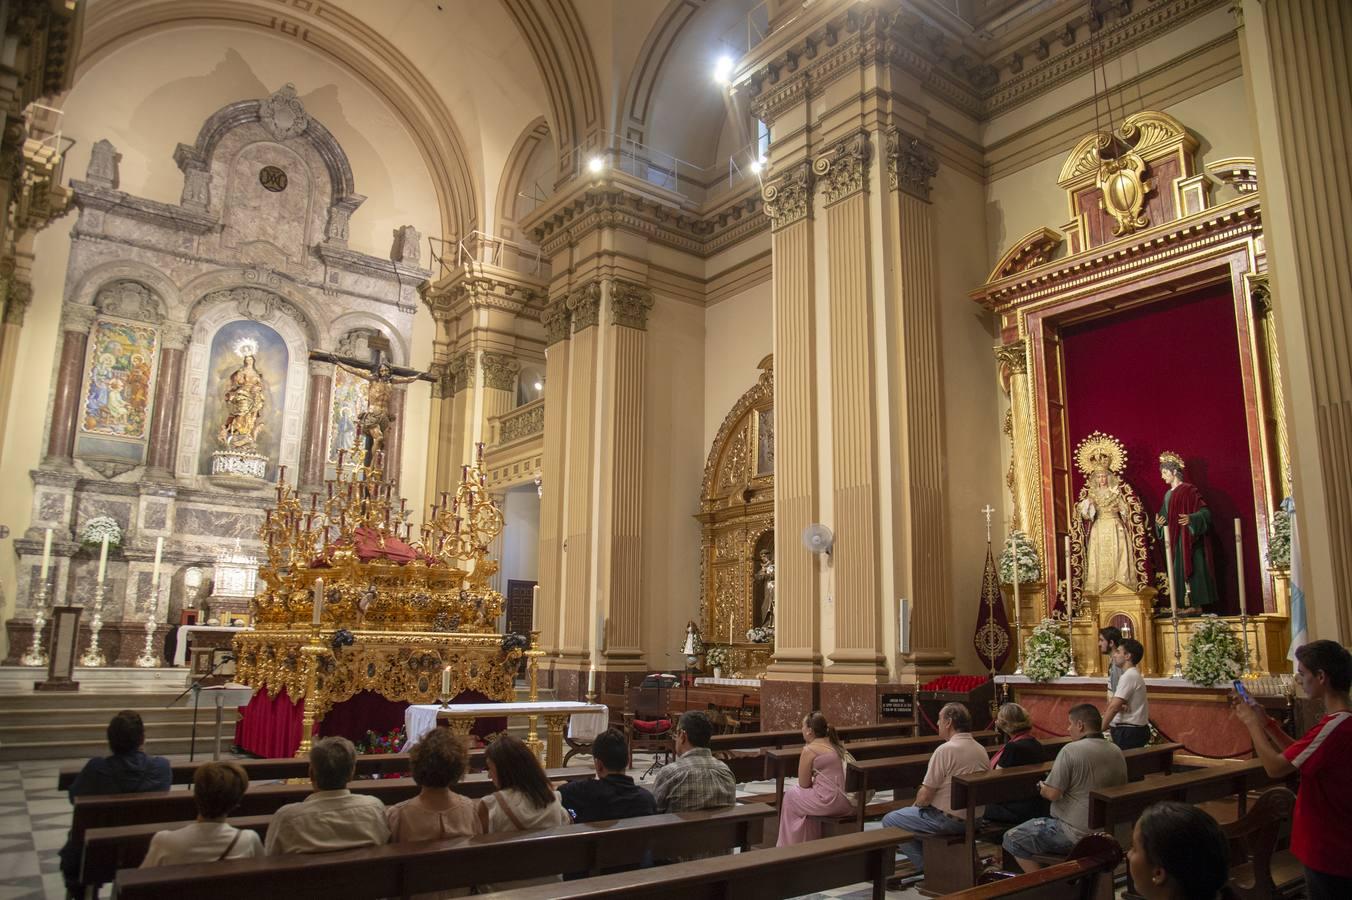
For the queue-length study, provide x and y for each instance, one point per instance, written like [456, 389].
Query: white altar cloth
[727, 682]
[181, 648]
[586, 721]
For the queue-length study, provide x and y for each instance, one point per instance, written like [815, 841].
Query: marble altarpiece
[1147, 316]
[162, 303]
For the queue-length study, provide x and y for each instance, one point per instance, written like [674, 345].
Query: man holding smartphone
[1320, 838]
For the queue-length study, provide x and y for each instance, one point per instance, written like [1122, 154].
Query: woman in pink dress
[820, 790]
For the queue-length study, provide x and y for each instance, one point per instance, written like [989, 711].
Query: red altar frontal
[1199, 718]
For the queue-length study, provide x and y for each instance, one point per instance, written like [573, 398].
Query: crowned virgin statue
[245, 395]
[1108, 528]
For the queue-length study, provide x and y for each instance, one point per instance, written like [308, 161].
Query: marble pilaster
[557, 358]
[315, 448]
[76, 320]
[577, 625]
[164, 419]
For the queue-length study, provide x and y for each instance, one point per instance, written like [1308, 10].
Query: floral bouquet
[1030, 567]
[1046, 653]
[716, 657]
[1214, 653]
[99, 527]
[1279, 540]
[383, 743]
[761, 634]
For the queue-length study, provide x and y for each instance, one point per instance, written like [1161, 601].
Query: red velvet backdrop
[1167, 377]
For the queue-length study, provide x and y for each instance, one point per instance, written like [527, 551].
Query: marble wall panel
[784, 703]
[51, 507]
[849, 704]
[155, 516]
[90, 507]
[218, 523]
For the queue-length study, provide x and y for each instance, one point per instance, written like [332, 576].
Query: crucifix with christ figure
[381, 379]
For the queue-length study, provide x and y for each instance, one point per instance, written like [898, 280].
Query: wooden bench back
[1109, 806]
[1018, 782]
[1257, 832]
[285, 767]
[1087, 874]
[106, 810]
[398, 870]
[755, 740]
[764, 875]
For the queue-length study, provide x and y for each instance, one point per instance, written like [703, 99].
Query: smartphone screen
[1243, 694]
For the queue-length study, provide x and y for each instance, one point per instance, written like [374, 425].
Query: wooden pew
[951, 861]
[111, 810]
[782, 763]
[1110, 806]
[763, 875]
[1087, 874]
[743, 752]
[403, 869]
[1264, 871]
[285, 767]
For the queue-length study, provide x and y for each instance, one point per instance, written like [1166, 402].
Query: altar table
[185, 631]
[584, 720]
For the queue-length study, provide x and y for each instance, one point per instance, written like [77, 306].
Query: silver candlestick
[148, 659]
[36, 656]
[93, 657]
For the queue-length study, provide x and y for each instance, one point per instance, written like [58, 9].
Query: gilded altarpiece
[737, 523]
[1146, 316]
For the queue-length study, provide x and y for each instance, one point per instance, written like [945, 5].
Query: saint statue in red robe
[1194, 577]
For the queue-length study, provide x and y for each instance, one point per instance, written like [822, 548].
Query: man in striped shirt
[1320, 838]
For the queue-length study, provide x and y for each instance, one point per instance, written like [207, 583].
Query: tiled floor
[35, 816]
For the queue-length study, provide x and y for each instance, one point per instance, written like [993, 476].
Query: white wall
[521, 537]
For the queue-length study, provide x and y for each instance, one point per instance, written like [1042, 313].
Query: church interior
[748, 356]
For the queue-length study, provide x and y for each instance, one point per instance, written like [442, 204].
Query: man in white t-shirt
[1128, 713]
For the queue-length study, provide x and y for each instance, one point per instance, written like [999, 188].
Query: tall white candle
[446, 682]
[318, 603]
[591, 680]
[103, 559]
[46, 554]
[535, 608]
[159, 552]
[1239, 564]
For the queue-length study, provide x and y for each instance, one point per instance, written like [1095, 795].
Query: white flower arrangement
[1214, 653]
[1046, 653]
[716, 657]
[1030, 567]
[97, 528]
[761, 634]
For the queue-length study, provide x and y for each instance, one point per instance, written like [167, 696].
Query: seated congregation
[1053, 811]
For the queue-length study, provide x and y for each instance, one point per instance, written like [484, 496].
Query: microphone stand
[196, 690]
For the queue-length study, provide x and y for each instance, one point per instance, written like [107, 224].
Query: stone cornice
[339, 257]
[1241, 218]
[483, 286]
[89, 196]
[783, 72]
[621, 202]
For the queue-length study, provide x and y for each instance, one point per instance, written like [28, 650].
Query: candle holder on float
[415, 602]
[36, 655]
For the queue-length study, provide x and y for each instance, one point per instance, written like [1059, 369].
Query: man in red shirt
[1320, 838]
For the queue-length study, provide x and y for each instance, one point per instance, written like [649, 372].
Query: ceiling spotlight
[539, 385]
[723, 69]
[595, 165]
[757, 165]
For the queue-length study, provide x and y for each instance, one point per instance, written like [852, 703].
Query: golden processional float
[353, 602]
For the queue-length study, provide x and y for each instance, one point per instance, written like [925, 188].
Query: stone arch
[210, 313]
[289, 300]
[342, 38]
[355, 319]
[636, 108]
[535, 139]
[104, 274]
[558, 42]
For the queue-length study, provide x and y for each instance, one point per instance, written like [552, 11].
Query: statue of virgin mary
[1108, 528]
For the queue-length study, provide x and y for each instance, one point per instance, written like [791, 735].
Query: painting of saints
[348, 405]
[117, 383]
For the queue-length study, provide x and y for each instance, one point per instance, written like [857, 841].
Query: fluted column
[499, 387]
[788, 202]
[842, 176]
[459, 425]
[18, 296]
[315, 449]
[164, 418]
[547, 615]
[75, 324]
[1298, 65]
[578, 627]
[498, 545]
[923, 571]
[621, 475]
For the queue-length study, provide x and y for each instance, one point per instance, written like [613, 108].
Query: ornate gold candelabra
[36, 656]
[533, 673]
[400, 605]
[93, 656]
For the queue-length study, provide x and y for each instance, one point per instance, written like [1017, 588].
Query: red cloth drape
[269, 728]
[1167, 376]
